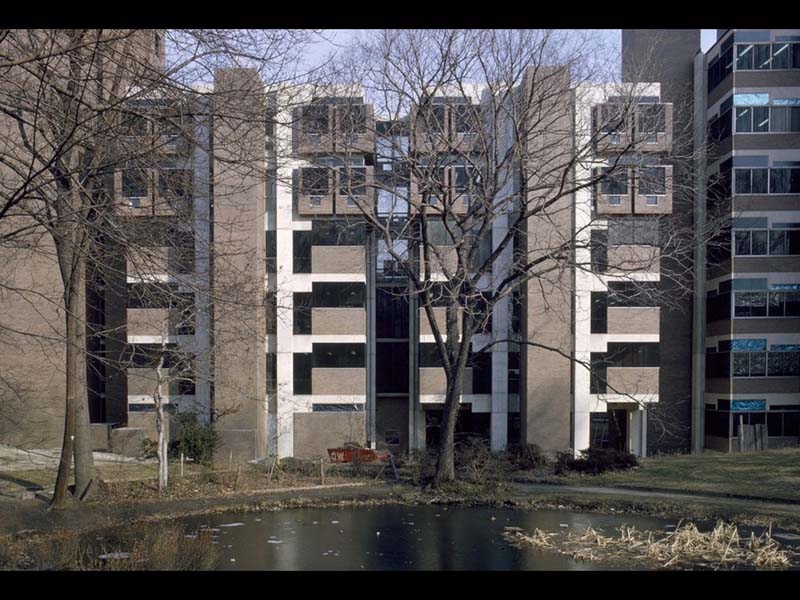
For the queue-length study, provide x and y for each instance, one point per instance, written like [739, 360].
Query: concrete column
[581, 431]
[699, 302]
[635, 432]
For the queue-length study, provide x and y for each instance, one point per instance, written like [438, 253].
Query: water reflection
[399, 538]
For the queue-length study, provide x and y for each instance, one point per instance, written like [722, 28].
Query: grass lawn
[767, 474]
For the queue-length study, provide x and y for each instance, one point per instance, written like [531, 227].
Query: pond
[396, 537]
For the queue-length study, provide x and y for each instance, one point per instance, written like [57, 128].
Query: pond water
[405, 538]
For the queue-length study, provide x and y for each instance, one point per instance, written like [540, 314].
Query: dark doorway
[391, 424]
[618, 429]
[468, 423]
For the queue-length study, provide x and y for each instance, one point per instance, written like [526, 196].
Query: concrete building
[747, 87]
[683, 345]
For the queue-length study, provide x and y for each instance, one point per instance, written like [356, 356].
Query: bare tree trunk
[445, 465]
[163, 473]
[62, 478]
[84, 462]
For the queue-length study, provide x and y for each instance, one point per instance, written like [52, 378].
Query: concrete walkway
[766, 507]
[17, 459]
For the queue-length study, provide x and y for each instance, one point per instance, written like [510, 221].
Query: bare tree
[483, 146]
[79, 124]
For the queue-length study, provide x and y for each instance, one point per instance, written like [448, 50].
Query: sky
[335, 37]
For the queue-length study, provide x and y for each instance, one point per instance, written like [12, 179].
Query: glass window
[759, 241]
[315, 181]
[134, 182]
[741, 243]
[337, 233]
[744, 119]
[352, 118]
[302, 372]
[338, 356]
[760, 119]
[465, 118]
[599, 312]
[761, 57]
[779, 181]
[301, 313]
[780, 56]
[316, 118]
[780, 118]
[302, 252]
[329, 294]
[750, 304]
[792, 300]
[615, 182]
[652, 118]
[759, 181]
[776, 305]
[758, 364]
[796, 56]
[741, 364]
[744, 57]
[652, 180]
[777, 243]
[353, 181]
[742, 181]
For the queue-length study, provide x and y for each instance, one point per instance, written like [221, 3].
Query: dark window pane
[134, 183]
[780, 56]
[758, 364]
[302, 373]
[652, 180]
[615, 182]
[776, 304]
[778, 243]
[599, 312]
[599, 250]
[779, 181]
[760, 178]
[780, 119]
[742, 243]
[315, 181]
[338, 233]
[271, 252]
[302, 252]
[761, 59]
[741, 364]
[792, 304]
[338, 356]
[481, 372]
[744, 56]
[742, 182]
[316, 118]
[774, 424]
[392, 367]
[744, 119]
[761, 119]
[338, 294]
[301, 313]
[791, 422]
[759, 239]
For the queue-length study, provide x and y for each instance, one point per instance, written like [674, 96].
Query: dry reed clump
[685, 547]
[144, 548]
[167, 549]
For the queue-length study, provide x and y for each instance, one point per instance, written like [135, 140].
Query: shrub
[528, 456]
[476, 463]
[149, 449]
[595, 460]
[193, 438]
